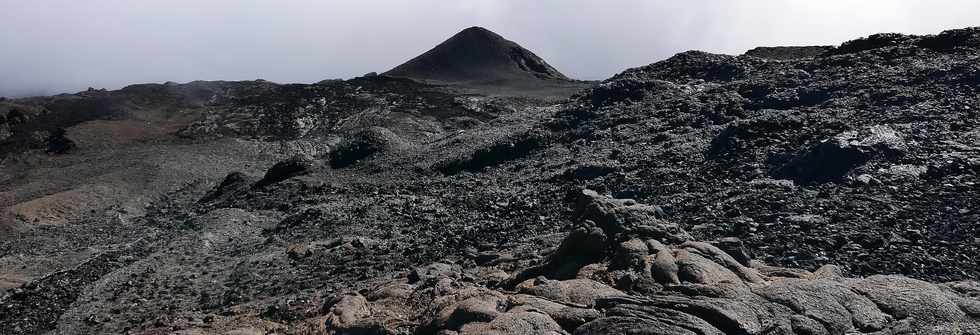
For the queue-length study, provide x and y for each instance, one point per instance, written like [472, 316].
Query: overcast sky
[53, 46]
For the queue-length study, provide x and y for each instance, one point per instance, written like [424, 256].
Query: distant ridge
[478, 56]
[789, 52]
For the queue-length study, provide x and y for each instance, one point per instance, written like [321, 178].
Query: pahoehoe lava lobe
[477, 55]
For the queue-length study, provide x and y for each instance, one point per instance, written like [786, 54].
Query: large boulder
[363, 144]
[567, 316]
[234, 182]
[626, 217]
[452, 308]
[293, 167]
[350, 316]
[833, 158]
[607, 226]
[58, 142]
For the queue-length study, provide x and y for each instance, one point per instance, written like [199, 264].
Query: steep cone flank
[477, 55]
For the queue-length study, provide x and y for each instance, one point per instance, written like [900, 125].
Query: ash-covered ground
[793, 190]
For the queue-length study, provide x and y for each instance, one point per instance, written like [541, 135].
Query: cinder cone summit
[477, 55]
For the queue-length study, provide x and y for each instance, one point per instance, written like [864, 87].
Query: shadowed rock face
[477, 55]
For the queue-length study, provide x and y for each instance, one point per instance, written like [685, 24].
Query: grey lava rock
[58, 143]
[296, 166]
[832, 159]
[362, 145]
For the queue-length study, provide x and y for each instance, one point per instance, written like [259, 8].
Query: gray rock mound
[833, 158]
[363, 144]
[286, 169]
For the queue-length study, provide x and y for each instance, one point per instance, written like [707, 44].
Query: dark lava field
[477, 190]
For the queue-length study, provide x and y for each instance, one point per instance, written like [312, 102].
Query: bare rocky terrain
[789, 190]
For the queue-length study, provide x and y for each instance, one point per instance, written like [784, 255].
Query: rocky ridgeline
[332, 108]
[627, 271]
[310, 117]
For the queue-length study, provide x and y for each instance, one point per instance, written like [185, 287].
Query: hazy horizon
[63, 46]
